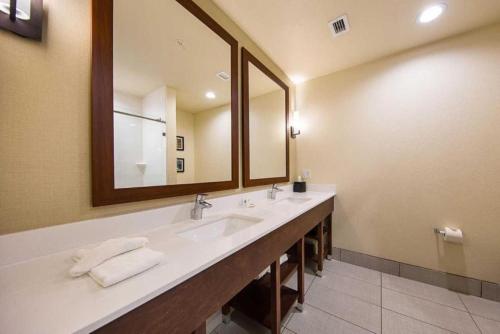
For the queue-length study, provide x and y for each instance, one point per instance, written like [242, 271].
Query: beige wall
[185, 128]
[267, 136]
[212, 128]
[412, 142]
[45, 120]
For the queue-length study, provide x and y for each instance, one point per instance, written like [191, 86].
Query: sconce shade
[26, 18]
[295, 124]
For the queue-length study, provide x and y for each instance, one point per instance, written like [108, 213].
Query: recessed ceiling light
[431, 13]
[210, 95]
[297, 79]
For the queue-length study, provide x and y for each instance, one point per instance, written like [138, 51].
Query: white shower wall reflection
[145, 132]
[140, 144]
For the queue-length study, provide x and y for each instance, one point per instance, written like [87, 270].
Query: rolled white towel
[124, 266]
[86, 259]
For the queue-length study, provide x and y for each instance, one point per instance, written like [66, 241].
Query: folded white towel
[124, 266]
[86, 259]
[283, 259]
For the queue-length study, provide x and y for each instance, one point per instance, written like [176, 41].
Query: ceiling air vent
[223, 76]
[339, 26]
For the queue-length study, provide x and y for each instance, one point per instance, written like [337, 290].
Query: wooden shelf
[255, 302]
[309, 249]
[287, 270]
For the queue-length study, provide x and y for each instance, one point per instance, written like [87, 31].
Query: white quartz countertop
[38, 296]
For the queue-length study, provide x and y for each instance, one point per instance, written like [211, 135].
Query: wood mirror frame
[103, 189]
[246, 58]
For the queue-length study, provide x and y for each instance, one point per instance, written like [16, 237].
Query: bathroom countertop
[38, 296]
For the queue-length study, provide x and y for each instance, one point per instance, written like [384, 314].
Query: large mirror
[169, 102]
[265, 115]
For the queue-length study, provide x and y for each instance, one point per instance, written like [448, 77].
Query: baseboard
[462, 284]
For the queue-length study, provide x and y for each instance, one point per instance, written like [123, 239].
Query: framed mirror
[164, 101]
[265, 124]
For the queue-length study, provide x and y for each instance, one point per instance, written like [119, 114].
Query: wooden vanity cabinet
[184, 308]
[255, 299]
[321, 235]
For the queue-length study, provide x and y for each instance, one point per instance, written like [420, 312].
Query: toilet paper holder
[439, 231]
[453, 235]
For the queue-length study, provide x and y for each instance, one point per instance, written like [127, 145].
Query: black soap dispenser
[299, 186]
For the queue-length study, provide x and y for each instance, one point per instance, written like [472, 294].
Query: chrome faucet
[199, 205]
[271, 194]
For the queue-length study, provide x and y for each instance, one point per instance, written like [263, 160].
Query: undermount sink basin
[290, 201]
[294, 200]
[221, 227]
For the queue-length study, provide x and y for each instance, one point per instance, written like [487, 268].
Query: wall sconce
[22, 17]
[295, 126]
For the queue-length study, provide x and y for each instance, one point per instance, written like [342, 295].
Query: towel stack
[115, 260]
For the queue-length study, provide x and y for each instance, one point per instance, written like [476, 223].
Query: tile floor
[351, 299]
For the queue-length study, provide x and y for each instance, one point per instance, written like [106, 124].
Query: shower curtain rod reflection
[159, 120]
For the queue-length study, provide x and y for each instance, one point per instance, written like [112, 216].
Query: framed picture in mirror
[264, 124]
[180, 165]
[157, 94]
[180, 143]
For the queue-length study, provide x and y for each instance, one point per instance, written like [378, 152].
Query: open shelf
[255, 302]
[287, 269]
[309, 248]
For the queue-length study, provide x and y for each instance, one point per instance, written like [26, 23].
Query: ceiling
[147, 54]
[295, 33]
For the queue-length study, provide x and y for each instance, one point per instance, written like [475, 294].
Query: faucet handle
[276, 188]
[201, 197]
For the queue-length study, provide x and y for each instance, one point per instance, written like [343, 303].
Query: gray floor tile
[213, 322]
[287, 331]
[349, 308]
[356, 288]
[287, 318]
[240, 324]
[314, 321]
[346, 299]
[422, 290]
[429, 312]
[350, 270]
[482, 307]
[308, 279]
[487, 326]
[395, 323]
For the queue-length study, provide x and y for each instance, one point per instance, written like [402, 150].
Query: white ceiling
[146, 53]
[295, 33]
